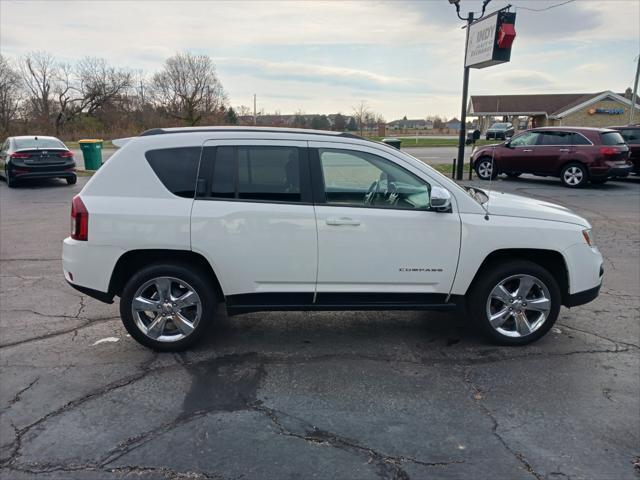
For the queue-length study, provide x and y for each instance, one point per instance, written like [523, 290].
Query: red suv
[631, 135]
[576, 155]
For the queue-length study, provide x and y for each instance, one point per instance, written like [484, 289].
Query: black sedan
[36, 157]
[500, 131]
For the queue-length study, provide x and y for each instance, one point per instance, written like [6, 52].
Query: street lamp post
[465, 86]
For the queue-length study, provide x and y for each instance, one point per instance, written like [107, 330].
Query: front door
[253, 219]
[518, 156]
[378, 239]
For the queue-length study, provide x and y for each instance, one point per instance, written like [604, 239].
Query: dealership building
[600, 109]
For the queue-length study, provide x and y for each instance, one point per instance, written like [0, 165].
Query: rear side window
[555, 138]
[631, 136]
[577, 139]
[612, 138]
[260, 173]
[176, 168]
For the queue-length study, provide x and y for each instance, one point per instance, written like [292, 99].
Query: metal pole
[463, 113]
[255, 114]
[635, 93]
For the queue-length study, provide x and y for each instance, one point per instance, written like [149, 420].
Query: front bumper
[581, 298]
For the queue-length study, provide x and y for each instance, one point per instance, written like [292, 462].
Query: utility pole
[465, 87]
[255, 113]
[635, 93]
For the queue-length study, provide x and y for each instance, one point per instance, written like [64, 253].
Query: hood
[516, 206]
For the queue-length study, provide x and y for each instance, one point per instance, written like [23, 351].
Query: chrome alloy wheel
[518, 305]
[166, 309]
[573, 176]
[485, 169]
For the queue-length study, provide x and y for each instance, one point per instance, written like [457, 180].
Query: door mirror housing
[507, 143]
[440, 199]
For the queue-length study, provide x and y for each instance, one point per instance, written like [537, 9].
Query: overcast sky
[402, 57]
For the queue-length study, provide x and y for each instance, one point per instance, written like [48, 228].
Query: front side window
[524, 139]
[261, 173]
[555, 138]
[360, 179]
[176, 168]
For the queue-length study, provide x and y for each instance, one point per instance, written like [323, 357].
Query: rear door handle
[342, 221]
[564, 150]
[527, 150]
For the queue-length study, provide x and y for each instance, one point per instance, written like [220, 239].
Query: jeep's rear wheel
[485, 168]
[515, 303]
[167, 307]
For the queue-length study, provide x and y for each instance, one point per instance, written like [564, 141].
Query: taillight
[79, 219]
[20, 155]
[609, 151]
[66, 154]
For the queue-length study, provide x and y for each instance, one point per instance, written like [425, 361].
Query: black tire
[194, 278]
[478, 304]
[599, 181]
[513, 174]
[11, 182]
[72, 180]
[574, 175]
[485, 168]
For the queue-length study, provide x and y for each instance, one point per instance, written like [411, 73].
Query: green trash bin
[92, 153]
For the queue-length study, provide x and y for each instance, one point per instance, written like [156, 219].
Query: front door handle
[527, 150]
[342, 221]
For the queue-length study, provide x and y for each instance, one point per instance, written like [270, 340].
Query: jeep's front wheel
[167, 307]
[515, 303]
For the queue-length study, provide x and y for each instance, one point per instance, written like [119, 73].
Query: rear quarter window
[176, 168]
[612, 138]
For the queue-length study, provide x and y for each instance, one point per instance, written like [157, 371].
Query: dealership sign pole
[488, 43]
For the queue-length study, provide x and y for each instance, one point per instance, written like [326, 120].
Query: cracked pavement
[397, 395]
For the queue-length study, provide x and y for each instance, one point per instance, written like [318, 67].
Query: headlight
[588, 237]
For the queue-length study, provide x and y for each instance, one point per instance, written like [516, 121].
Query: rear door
[554, 149]
[378, 240]
[254, 220]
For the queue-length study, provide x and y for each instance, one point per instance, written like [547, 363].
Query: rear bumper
[611, 171]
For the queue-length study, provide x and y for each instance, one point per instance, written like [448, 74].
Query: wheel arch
[133, 260]
[551, 260]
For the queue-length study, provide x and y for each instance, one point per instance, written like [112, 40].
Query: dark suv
[576, 155]
[631, 135]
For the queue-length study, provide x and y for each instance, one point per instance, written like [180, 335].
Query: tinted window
[611, 138]
[577, 139]
[176, 168]
[26, 143]
[500, 126]
[631, 136]
[526, 138]
[555, 138]
[224, 173]
[257, 173]
[361, 179]
[269, 173]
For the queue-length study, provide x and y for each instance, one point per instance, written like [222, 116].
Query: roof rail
[163, 131]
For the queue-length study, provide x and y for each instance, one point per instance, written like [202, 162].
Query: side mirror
[440, 199]
[507, 143]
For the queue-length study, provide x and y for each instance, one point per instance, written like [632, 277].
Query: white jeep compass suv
[181, 219]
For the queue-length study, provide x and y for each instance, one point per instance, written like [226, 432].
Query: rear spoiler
[121, 142]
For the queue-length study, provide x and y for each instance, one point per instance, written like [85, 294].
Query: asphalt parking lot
[349, 395]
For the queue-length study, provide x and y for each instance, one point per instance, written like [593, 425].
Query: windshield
[37, 143]
[499, 126]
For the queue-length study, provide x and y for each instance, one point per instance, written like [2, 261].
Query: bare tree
[9, 94]
[188, 88]
[362, 114]
[38, 72]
